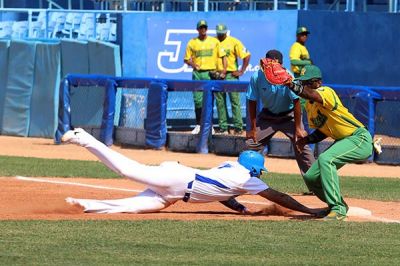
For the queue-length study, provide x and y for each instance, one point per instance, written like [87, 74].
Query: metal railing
[391, 6]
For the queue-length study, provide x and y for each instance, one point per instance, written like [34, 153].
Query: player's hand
[319, 212]
[196, 67]
[300, 143]
[237, 73]
[251, 134]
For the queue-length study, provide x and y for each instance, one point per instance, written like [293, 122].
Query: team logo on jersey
[320, 120]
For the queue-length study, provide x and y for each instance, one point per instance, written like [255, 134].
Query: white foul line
[40, 180]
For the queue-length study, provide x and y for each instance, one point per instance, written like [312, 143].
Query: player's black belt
[186, 197]
[204, 70]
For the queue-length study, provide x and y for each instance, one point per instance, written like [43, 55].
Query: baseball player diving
[171, 182]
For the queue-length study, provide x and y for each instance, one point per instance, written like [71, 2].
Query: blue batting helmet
[253, 161]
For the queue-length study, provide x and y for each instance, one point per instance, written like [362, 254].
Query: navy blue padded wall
[44, 103]
[354, 48]
[4, 44]
[20, 75]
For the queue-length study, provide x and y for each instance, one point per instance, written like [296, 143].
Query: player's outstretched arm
[286, 201]
[233, 204]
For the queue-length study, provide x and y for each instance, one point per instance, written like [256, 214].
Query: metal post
[205, 5]
[390, 6]
[298, 4]
[195, 5]
[305, 4]
[396, 5]
[125, 5]
[2, 3]
[275, 4]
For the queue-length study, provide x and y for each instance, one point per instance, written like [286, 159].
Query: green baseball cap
[201, 23]
[221, 29]
[310, 72]
[301, 30]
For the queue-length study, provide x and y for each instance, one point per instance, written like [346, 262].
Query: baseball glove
[215, 75]
[274, 72]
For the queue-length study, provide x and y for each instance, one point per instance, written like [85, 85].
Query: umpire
[281, 112]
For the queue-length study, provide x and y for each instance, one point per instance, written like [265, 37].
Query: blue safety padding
[388, 93]
[75, 57]
[20, 75]
[4, 45]
[107, 122]
[104, 58]
[43, 117]
[156, 121]
[64, 111]
[206, 118]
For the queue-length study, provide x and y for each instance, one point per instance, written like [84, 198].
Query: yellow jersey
[204, 53]
[233, 49]
[331, 117]
[299, 52]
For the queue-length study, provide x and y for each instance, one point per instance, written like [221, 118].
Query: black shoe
[308, 193]
[221, 131]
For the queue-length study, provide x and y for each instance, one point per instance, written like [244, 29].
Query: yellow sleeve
[240, 50]
[188, 52]
[295, 52]
[329, 98]
[220, 49]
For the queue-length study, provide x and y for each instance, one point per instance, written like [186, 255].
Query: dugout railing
[154, 132]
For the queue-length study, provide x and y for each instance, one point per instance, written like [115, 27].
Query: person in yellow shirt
[329, 118]
[299, 55]
[234, 49]
[202, 54]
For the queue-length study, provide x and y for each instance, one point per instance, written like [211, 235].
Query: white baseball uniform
[168, 182]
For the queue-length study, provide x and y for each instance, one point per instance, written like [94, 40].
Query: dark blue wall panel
[354, 48]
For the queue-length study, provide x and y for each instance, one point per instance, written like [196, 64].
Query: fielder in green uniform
[202, 54]
[234, 49]
[329, 118]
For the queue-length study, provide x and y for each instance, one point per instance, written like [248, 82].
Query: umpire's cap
[252, 161]
[274, 54]
[302, 30]
[310, 72]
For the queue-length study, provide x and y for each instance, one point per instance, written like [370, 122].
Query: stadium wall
[31, 71]
[354, 48]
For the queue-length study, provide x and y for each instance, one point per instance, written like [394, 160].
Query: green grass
[165, 242]
[198, 243]
[356, 187]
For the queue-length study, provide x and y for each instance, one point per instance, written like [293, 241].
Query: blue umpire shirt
[276, 98]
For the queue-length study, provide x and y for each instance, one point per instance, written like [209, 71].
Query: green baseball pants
[222, 110]
[198, 95]
[322, 176]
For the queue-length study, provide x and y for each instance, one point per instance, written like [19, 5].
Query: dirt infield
[44, 198]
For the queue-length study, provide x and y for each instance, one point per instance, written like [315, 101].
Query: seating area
[62, 24]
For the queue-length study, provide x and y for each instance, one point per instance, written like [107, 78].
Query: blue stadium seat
[6, 29]
[20, 30]
[86, 29]
[72, 24]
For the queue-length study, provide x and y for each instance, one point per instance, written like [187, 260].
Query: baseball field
[39, 227]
